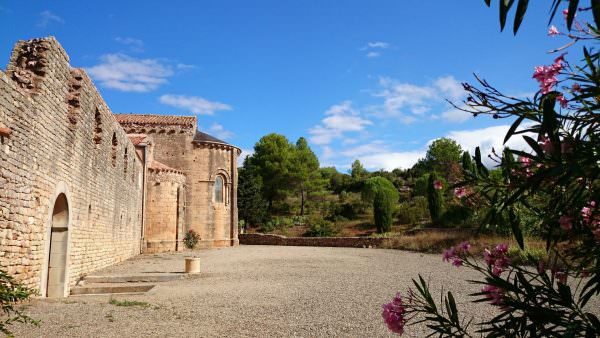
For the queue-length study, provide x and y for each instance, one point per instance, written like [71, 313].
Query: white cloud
[456, 115]
[47, 17]
[242, 157]
[128, 74]
[340, 118]
[391, 160]
[364, 149]
[183, 66]
[374, 48]
[135, 45]
[486, 139]
[449, 87]
[219, 131]
[327, 152]
[407, 101]
[376, 44]
[195, 104]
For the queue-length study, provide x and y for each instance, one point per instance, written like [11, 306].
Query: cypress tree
[434, 198]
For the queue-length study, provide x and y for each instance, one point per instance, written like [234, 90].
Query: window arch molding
[221, 186]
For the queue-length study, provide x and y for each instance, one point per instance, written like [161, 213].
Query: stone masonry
[70, 173]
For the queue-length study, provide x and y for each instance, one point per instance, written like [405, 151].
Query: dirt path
[257, 291]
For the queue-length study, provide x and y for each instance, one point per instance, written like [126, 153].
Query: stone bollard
[192, 265]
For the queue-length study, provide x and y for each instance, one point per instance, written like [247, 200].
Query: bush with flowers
[561, 173]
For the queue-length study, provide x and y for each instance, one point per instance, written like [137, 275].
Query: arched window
[218, 189]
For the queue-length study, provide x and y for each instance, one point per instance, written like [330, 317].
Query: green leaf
[453, 310]
[520, 14]
[572, 11]
[596, 11]
[487, 2]
[534, 145]
[554, 9]
[549, 122]
[513, 127]
[504, 9]
[515, 227]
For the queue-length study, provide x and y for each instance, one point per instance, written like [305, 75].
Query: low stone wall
[441, 230]
[350, 242]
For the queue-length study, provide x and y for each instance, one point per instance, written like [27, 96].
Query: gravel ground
[258, 291]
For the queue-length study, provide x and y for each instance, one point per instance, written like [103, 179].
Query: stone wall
[63, 139]
[174, 146]
[164, 211]
[349, 242]
[216, 222]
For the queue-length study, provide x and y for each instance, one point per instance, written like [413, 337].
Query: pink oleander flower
[393, 315]
[586, 213]
[437, 185]
[566, 147]
[525, 161]
[502, 248]
[596, 233]
[487, 256]
[448, 254]
[541, 266]
[553, 31]
[563, 102]
[576, 87]
[547, 146]
[494, 294]
[496, 259]
[460, 192]
[453, 254]
[546, 75]
[561, 277]
[566, 222]
[565, 13]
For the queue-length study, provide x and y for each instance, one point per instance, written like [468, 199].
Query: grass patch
[438, 241]
[127, 303]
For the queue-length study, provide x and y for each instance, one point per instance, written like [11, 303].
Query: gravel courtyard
[257, 291]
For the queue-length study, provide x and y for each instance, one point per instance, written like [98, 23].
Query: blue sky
[359, 79]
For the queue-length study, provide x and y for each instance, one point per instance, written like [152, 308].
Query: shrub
[406, 214]
[556, 179]
[420, 187]
[384, 196]
[267, 227]
[320, 227]
[456, 215]
[11, 294]
[191, 239]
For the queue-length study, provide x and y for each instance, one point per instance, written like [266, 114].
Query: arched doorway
[57, 259]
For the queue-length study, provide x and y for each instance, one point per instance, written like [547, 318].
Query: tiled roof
[137, 139]
[204, 137]
[186, 121]
[155, 165]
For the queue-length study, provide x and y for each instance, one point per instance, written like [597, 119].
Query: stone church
[82, 188]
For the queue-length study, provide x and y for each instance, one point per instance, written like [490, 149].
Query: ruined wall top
[34, 59]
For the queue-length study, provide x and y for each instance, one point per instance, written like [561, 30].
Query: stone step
[153, 278]
[109, 288]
